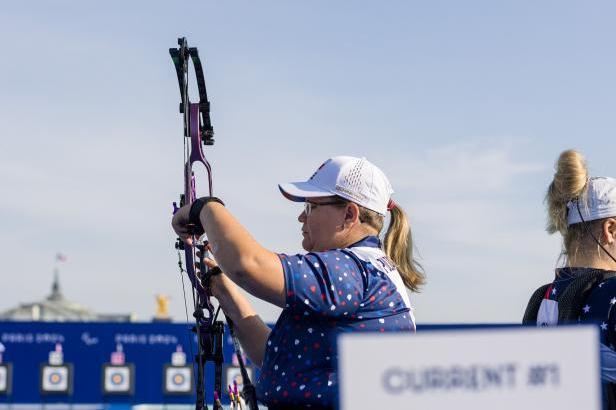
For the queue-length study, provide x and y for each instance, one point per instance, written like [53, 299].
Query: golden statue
[163, 306]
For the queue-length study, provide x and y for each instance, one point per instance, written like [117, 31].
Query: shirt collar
[369, 241]
[572, 272]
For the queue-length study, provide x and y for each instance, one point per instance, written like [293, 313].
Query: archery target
[178, 380]
[117, 379]
[55, 379]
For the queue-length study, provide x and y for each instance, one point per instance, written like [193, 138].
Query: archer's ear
[609, 230]
[351, 215]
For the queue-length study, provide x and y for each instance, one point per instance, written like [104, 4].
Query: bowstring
[190, 339]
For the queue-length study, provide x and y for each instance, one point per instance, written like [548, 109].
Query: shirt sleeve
[324, 283]
[608, 364]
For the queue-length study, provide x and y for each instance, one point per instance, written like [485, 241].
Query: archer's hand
[179, 223]
[219, 283]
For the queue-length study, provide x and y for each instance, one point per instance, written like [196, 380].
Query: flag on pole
[60, 257]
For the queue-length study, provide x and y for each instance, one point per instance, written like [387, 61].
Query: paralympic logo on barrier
[473, 378]
[88, 340]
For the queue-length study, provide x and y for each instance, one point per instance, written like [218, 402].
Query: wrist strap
[195, 210]
[215, 271]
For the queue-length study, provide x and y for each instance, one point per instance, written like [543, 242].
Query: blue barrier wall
[148, 346]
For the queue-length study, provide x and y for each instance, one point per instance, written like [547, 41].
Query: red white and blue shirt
[342, 290]
[596, 309]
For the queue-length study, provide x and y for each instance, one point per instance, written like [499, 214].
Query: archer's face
[322, 226]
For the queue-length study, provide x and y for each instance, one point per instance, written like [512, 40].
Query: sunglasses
[309, 206]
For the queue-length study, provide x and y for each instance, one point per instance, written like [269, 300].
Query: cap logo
[358, 196]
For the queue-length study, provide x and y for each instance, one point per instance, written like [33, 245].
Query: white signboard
[516, 368]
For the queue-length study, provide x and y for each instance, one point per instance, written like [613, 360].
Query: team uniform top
[599, 307]
[600, 302]
[343, 290]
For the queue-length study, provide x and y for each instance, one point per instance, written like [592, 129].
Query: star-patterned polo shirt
[596, 309]
[342, 290]
[598, 305]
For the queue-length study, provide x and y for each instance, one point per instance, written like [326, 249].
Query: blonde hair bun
[569, 182]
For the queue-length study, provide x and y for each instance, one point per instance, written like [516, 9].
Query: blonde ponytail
[398, 245]
[399, 248]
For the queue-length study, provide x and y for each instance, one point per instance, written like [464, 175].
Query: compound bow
[198, 130]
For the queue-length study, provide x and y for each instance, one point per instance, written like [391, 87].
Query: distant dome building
[56, 308]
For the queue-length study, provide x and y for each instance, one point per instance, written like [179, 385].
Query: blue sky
[464, 105]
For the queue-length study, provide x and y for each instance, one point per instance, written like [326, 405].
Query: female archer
[348, 281]
[583, 210]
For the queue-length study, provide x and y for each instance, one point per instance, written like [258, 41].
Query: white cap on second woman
[600, 201]
[355, 179]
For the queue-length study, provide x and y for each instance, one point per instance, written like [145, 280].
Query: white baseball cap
[600, 201]
[354, 179]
